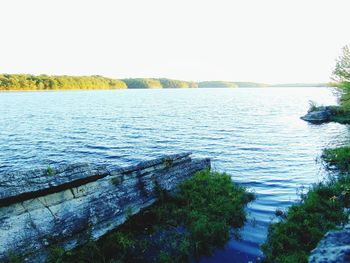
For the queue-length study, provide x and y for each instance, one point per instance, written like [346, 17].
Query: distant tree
[45, 82]
[140, 83]
[341, 72]
[341, 75]
[173, 83]
[217, 84]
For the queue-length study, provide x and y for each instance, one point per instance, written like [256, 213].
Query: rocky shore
[67, 205]
[324, 114]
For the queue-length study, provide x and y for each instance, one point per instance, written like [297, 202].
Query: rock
[23, 185]
[319, 115]
[334, 247]
[68, 205]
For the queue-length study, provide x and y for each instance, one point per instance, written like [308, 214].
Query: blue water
[254, 134]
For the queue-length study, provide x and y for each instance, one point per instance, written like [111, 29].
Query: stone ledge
[81, 209]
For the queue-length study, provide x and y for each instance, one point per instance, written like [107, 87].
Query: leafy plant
[338, 157]
[50, 171]
[320, 210]
[312, 106]
[193, 221]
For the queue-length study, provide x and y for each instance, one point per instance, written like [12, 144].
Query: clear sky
[268, 41]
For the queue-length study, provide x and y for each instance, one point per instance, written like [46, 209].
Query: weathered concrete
[334, 247]
[68, 205]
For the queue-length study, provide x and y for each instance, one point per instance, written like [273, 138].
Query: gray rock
[334, 247]
[74, 203]
[320, 114]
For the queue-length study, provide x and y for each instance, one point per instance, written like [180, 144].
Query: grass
[338, 158]
[312, 106]
[320, 210]
[191, 223]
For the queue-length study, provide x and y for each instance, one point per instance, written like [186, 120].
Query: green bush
[210, 203]
[320, 210]
[192, 222]
[338, 157]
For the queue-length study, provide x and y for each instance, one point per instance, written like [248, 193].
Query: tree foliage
[45, 82]
[140, 83]
[172, 83]
[341, 72]
[217, 84]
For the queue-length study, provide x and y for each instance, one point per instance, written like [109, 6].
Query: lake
[254, 134]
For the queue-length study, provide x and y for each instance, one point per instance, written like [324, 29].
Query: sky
[269, 41]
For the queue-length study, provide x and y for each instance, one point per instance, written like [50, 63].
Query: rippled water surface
[254, 134]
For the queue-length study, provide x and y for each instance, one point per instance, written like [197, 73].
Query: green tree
[341, 72]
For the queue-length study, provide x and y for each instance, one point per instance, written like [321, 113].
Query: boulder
[319, 115]
[334, 247]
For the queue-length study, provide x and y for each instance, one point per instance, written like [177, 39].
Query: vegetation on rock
[320, 210]
[326, 204]
[191, 223]
[338, 158]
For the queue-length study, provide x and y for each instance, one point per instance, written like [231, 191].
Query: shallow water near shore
[254, 134]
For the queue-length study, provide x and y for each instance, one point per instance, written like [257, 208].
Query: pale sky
[271, 41]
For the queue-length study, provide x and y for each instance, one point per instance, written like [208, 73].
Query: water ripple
[253, 134]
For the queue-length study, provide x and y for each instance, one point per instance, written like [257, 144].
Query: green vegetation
[312, 106]
[143, 83]
[338, 158]
[50, 171]
[251, 85]
[326, 204]
[341, 114]
[191, 223]
[320, 210]
[341, 72]
[44, 82]
[341, 75]
[217, 84]
[171, 83]
[140, 83]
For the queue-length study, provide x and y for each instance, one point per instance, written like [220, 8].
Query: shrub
[192, 222]
[338, 157]
[211, 203]
[320, 210]
[292, 239]
[312, 106]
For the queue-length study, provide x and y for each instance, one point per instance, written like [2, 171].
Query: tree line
[46, 82]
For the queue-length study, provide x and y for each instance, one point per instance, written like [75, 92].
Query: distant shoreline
[97, 89]
[27, 82]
